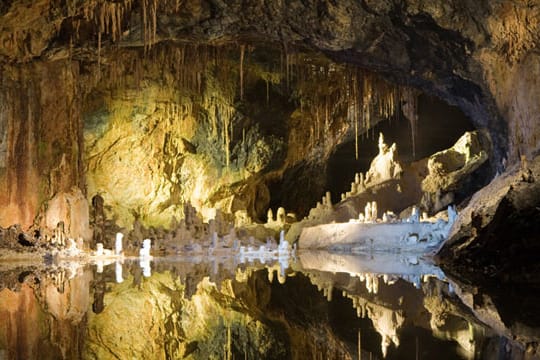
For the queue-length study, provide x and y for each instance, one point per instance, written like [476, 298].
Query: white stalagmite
[270, 216]
[144, 252]
[374, 214]
[118, 244]
[99, 249]
[415, 216]
[367, 212]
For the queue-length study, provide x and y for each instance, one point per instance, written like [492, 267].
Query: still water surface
[315, 306]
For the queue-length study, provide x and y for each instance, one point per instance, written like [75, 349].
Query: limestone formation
[449, 169]
[385, 165]
[118, 248]
[144, 252]
[72, 210]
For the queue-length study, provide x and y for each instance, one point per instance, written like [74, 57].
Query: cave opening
[438, 127]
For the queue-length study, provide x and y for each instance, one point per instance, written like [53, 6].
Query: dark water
[317, 306]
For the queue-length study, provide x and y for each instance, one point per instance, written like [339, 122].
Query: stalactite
[367, 95]
[267, 92]
[318, 121]
[144, 7]
[354, 92]
[287, 71]
[410, 110]
[326, 115]
[242, 53]
[99, 51]
[154, 21]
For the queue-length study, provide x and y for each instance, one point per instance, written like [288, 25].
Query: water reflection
[318, 305]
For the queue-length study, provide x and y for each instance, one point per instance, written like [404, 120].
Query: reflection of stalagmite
[386, 322]
[118, 272]
[327, 292]
[270, 275]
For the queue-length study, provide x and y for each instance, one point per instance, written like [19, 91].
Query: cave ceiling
[444, 48]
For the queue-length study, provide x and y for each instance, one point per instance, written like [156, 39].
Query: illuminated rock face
[505, 209]
[156, 142]
[449, 170]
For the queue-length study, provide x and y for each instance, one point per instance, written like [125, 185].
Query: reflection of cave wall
[439, 126]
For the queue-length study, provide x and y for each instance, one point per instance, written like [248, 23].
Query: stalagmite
[280, 216]
[328, 199]
[99, 249]
[144, 252]
[270, 216]
[118, 244]
[374, 213]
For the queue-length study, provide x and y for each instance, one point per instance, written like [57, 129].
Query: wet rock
[498, 229]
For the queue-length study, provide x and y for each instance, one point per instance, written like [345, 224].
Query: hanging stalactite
[242, 53]
[409, 99]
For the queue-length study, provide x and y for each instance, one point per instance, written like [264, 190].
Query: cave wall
[41, 141]
[177, 125]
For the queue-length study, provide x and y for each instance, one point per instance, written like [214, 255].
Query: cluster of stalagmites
[224, 234]
[390, 192]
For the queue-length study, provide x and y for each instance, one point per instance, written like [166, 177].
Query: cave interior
[175, 119]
